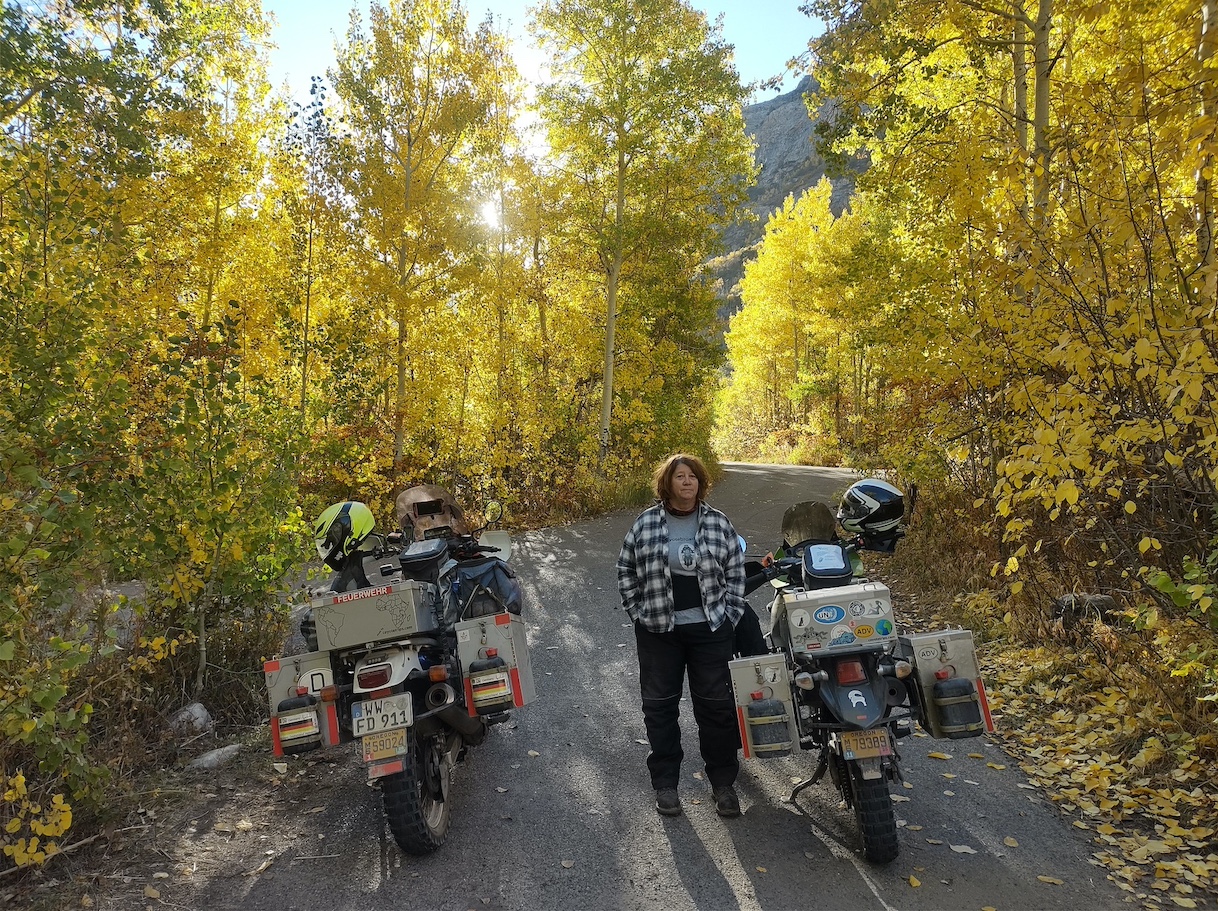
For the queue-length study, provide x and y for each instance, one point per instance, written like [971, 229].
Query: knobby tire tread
[876, 819]
[402, 795]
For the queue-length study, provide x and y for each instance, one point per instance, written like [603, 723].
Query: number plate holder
[866, 744]
[386, 714]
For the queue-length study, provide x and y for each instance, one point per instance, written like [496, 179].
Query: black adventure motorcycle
[838, 678]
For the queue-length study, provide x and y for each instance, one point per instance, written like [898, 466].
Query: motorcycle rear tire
[416, 798]
[873, 810]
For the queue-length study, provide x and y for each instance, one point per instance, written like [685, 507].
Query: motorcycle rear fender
[858, 705]
[401, 661]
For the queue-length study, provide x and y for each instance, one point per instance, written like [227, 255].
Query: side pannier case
[494, 656]
[949, 685]
[300, 719]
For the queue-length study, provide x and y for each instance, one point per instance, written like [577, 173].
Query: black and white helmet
[871, 507]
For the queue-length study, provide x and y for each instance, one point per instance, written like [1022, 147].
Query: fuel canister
[958, 705]
[768, 730]
[490, 683]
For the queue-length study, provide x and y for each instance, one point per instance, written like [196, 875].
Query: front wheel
[873, 810]
[416, 798]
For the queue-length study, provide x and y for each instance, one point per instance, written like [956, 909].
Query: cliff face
[781, 128]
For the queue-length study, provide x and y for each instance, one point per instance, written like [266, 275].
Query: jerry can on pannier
[765, 710]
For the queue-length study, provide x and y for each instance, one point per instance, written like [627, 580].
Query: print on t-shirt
[687, 555]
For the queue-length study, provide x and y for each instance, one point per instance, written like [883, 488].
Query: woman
[681, 577]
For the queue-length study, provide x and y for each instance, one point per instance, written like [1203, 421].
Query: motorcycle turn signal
[806, 681]
[894, 667]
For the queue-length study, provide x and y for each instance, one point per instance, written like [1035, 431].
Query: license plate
[382, 714]
[866, 744]
[384, 745]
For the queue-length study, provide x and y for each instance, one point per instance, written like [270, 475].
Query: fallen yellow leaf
[976, 756]
[150, 892]
[762, 870]
[1050, 879]
[1010, 842]
[937, 755]
[914, 881]
[1183, 902]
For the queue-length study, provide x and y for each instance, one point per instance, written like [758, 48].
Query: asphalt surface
[555, 810]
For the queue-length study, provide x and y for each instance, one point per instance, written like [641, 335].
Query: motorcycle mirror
[493, 512]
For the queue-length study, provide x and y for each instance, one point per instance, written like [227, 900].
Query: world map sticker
[883, 628]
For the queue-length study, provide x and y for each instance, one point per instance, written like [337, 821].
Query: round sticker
[863, 631]
[800, 619]
[830, 613]
[883, 628]
[857, 608]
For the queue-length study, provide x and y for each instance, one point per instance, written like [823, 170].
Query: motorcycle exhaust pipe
[440, 695]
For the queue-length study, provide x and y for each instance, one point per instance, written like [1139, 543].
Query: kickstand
[821, 765]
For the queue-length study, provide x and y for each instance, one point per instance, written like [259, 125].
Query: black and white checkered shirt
[645, 583]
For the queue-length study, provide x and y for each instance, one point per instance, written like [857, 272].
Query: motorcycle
[838, 677]
[415, 650]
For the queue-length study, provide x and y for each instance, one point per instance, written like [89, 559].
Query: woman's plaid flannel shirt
[645, 583]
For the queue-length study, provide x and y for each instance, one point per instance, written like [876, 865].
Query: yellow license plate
[384, 745]
[866, 744]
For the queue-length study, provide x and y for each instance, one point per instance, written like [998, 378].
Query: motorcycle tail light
[329, 693]
[373, 677]
[805, 681]
[904, 669]
[850, 672]
[437, 673]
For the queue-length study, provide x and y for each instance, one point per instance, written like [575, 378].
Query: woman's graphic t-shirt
[683, 564]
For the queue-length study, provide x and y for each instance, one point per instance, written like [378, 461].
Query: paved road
[573, 827]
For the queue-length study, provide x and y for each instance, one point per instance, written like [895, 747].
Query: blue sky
[766, 33]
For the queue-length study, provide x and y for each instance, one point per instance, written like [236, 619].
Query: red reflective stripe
[517, 696]
[469, 698]
[503, 619]
[744, 737]
[269, 667]
[985, 706]
[331, 723]
[376, 770]
[276, 743]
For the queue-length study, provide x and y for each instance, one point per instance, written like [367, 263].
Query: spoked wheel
[416, 798]
[873, 810]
